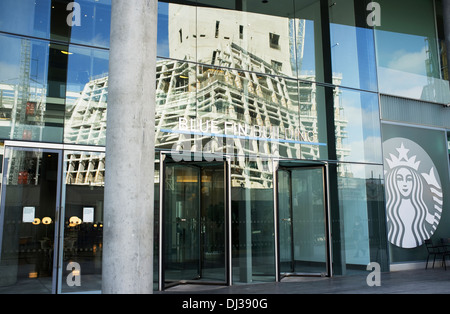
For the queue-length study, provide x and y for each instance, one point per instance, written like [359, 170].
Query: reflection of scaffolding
[87, 119]
[85, 169]
[228, 95]
[223, 94]
[86, 124]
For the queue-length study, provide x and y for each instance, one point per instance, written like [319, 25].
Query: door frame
[57, 227]
[164, 156]
[60, 149]
[299, 164]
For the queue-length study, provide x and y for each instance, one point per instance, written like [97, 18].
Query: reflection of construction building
[85, 169]
[229, 96]
[86, 124]
[225, 95]
[236, 82]
[247, 61]
[86, 120]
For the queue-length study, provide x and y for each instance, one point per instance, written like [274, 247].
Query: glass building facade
[291, 137]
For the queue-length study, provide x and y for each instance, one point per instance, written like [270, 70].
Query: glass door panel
[82, 234]
[28, 216]
[308, 211]
[181, 222]
[302, 221]
[213, 235]
[285, 221]
[194, 222]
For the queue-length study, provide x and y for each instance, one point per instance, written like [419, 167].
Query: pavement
[418, 281]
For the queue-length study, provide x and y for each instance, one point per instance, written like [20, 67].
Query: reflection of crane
[26, 113]
[28, 109]
[23, 89]
[18, 112]
[297, 34]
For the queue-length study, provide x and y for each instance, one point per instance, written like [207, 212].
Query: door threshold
[170, 285]
[284, 275]
[303, 277]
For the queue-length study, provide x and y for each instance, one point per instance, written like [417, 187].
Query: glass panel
[204, 108]
[177, 26]
[308, 220]
[212, 223]
[308, 39]
[26, 17]
[361, 216]
[407, 52]
[285, 221]
[181, 219]
[352, 45]
[282, 38]
[194, 222]
[305, 224]
[163, 30]
[253, 256]
[83, 221]
[32, 88]
[444, 58]
[252, 37]
[250, 111]
[86, 96]
[358, 130]
[84, 21]
[28, 219]
[91, 21]
[175, 100]
[312, 121]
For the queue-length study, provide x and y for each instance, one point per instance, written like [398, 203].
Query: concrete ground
[418, 281]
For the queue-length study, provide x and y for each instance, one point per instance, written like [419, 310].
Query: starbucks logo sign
[414, 195]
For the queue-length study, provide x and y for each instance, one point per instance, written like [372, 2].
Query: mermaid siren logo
[413, 192]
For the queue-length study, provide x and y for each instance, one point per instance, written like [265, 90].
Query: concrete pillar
[446, 19]
[128, 210]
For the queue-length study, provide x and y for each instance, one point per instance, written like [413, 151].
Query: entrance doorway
[51, 218]
[30, 206]
[302, 221]
[194, 223]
